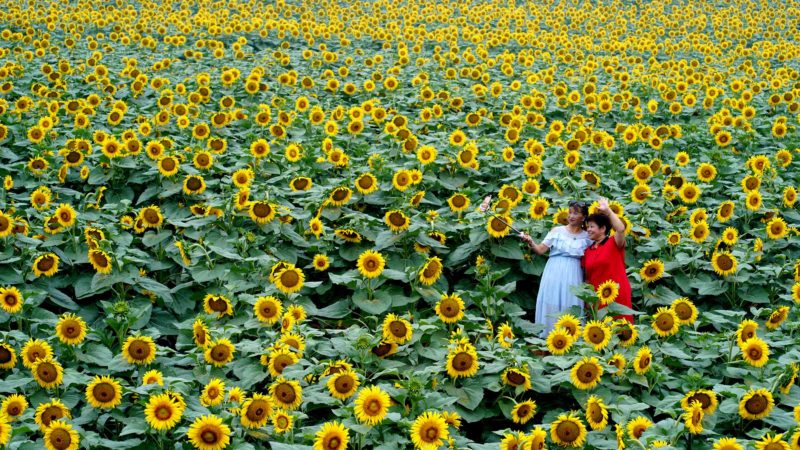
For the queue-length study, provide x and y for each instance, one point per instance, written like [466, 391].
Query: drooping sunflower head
[596, 413]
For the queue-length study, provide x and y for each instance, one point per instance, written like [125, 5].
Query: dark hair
[601, 220]
[584, 208]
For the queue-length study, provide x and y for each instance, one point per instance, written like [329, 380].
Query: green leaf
[95, 354]
[469, 395]
[380, 302]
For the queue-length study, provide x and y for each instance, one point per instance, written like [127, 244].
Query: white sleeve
[551, 236]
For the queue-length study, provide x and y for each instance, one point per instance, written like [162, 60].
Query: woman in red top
[605, 259]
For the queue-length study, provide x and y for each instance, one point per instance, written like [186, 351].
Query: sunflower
[426, 154]
[618, 361]
[586, 373]
[66, 215]
[725, 211]
[756, 404]
[194, 185]
[637, 426]
[396, 329]
[46, 265]
[450, 308]
[539, 207]
[168, 166]
[643, 360]
[746, 331]
[458, 202]
[366, 184]
[371, 264]
[789, 196]
[286, 394]
[340, 196]
[693, 418]
[331, 436]
[10, 299]
[723, 263]
[431, 271]
[104, 392]
[50, 412]
[200, 333]
[217, 304]
[139, 350]
[727, 444]
[568, 431]
[753, 200]
[429, 431]
[348, 235]
[295, 341]
[384, 349]
[755, 352]
[372, 405]
[256, 411]
[13, 406]
[342, 385]
[523, 411]
[707, 399]
[516, 378]
[33, 350]
[689, 193]
[48, 372]
[596, 334]
[396, 220]
[268, 309]
[462, 361]
[61, 436]
[559, 341]
[282, 422]
[776, 228]
[665, 322]
[261, 212]
[596, 413]
[777, 317]
[499, 227]
[153, 376]
[209, 433]
[651, 270]
[219, 352]
[100, 261]
[162, 413]
[213, 393]
[607, 292]
[570, 323]
[685, 310]
[290, 280]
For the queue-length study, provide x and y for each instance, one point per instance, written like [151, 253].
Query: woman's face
[595, 233]
[575, 217]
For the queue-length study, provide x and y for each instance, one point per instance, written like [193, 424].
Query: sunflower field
[244, 225]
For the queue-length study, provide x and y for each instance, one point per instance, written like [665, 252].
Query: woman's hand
[603, 207]
[527, 238]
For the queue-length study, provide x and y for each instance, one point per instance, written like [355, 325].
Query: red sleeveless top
[607, 262]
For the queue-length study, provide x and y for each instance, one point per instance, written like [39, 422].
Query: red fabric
[607, 262]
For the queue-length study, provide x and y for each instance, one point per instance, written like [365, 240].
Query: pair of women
[580, 251]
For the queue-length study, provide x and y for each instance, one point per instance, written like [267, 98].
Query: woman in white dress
[566, 245]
